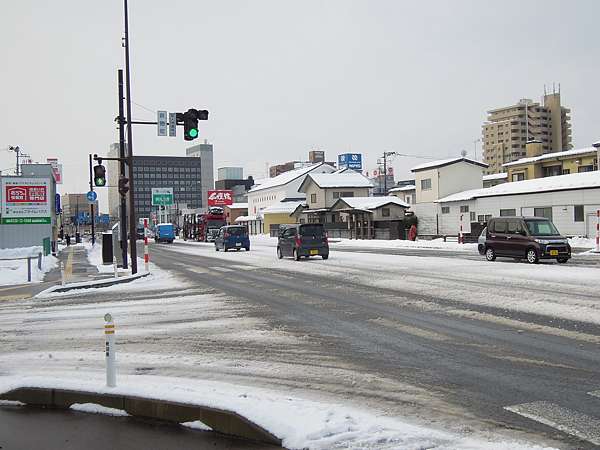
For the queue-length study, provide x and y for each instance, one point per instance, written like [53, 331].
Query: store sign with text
[220, 198]
[26, 201]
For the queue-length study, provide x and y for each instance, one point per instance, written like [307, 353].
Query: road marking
[221, 269]
[568, 421]
[197, 269]
[240, 267]
[69, 265]
[595, 393]
[13, 297]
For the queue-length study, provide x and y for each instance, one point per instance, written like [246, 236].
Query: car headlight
[542, 241]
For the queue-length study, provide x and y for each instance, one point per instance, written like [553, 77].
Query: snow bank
[581, 242]
[300, 423]
[93, 408]
[437, 244]
[14, 271]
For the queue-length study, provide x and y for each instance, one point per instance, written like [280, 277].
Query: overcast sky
[281, 78]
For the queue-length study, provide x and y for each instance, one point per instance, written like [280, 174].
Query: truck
[164, 232]
[204, 227]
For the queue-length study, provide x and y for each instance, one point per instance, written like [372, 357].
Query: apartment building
[508, 129]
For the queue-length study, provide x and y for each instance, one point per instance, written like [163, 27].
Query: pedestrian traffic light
[123, 185]
[100, 175]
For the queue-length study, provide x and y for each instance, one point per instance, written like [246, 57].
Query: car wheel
[247, 249]
[279, 254]
[216, 248]
[296, 255]
[481, 249]
[324, 256]
[562, 260]
[532, 256]
[490, 254]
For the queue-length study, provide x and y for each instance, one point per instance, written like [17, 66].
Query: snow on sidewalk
[300, 423]
[14, 271]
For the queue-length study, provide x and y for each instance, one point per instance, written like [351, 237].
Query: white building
[405, 193]
[570, 201]
[284, 186]
[438, 179]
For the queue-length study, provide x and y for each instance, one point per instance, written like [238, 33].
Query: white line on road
[221, 269]
[568, 421]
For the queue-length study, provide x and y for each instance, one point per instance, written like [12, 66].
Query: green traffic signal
[100, 181]
[193, 132]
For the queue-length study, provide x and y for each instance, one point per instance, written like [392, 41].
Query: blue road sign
[91, 196]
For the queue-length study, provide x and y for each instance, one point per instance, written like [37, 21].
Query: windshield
[541, 228]
[312, 230]
[215, 223]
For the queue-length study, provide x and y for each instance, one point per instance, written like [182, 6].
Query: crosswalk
[574, 423]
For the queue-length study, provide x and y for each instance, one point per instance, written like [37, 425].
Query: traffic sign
[172, 124]
[91, 196]
[162, 123]
[162, 196]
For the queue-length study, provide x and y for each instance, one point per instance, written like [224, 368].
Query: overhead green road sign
[162, 196]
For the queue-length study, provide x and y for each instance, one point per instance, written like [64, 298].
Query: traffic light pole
[92, 203]
[132, 224]
[123, 201]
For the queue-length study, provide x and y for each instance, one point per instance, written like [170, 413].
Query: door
[497, 234]
[286, 241]
[516, 238]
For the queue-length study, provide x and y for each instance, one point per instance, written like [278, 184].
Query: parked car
[302, 240]
[532, 238]
[232, 236]
[164, 232]
[481, 242]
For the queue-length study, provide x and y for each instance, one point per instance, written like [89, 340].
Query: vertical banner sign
[56, 169]
[220, 198]
[172, 124]
[26, 201]
[162, 123]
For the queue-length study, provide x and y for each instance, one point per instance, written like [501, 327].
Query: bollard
[29, 269]
[62, 273]
[109, 336]
[40, 261]
[461, 239]
[115, 266]
[146, 253]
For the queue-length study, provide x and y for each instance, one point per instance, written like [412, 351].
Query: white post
[598, 231]
[62, 273]
[460, 234]
[146, 253]
[115, 266]
[109, 336]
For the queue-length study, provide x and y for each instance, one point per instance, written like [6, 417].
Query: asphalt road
[480, 367]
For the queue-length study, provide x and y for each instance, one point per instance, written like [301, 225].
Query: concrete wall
[426, 213]
[14, 236]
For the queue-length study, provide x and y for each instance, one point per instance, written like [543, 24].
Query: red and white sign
[26, 194]
[220, 198]
[56, 169]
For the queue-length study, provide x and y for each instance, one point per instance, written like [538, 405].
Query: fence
[28, 258]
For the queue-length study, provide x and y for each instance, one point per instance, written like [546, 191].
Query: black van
[532, 238]
[302, 240]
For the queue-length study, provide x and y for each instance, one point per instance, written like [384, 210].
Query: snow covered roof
[584, 180]
[246, 218]
[367, 203]
[238, 206]
[446, 162]
[289, 176]
[336, 180]
[565, 154]
[408, 187]
[283, 207]
[342, 170]
[495, 176]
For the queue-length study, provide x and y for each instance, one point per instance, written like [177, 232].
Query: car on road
[232, 237]
[531, 238]
[302, 241]
[164, 232]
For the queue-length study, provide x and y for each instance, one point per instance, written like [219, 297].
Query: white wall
[459, 177]
[430, 195]
[426, 213]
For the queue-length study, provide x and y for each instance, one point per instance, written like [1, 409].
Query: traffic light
[190, 120]
[123, 185]
[99, 175]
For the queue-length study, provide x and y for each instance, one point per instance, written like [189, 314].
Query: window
[589, 168]
[385, 212]
[313, 198]
[518, 176]
[426, 184]
[514, 226]
[336, 195]
[445, 210]
[500, 226]
[472, 216]
[578, 213]
[408, 199]
[566, 171]
[464, 208]
[347, 194]
[543, 212]
[508, 212]
[551, 171]
[483, 218]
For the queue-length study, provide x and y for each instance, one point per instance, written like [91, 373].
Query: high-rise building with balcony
[508, 129]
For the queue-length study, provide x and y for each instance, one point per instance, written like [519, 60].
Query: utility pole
[132, 224]
[92, 203]
[122, 199]
[385, 156]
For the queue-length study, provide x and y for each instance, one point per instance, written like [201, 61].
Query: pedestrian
[412, 233]
[68, 239]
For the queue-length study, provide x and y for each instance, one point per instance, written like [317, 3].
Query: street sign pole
[92, 204]
[123, 204]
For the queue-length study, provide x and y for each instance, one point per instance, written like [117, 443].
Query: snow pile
[581, 242]
[300, 423]
[93, 408]
[14, 271]
[437, 244]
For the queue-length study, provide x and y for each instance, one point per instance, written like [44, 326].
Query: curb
[221, 421]
[92, 284]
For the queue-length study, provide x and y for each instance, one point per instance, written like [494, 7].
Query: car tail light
[226, 235]
[298, 241]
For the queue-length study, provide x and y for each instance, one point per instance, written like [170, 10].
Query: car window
[290, 232]
[514, 226]
[312, 230]
[237, 231]
[541, 228]
[500, 226]
[483, 232]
